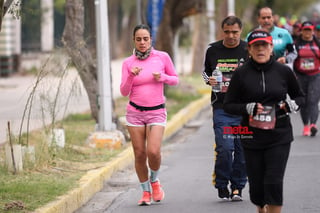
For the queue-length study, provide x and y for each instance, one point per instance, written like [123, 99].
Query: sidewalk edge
[185, 114]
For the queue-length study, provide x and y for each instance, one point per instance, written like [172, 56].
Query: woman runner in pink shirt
[144, 74]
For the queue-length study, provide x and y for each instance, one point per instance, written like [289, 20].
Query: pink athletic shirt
[143, 89]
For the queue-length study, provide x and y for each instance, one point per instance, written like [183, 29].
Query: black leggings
[311, 87]
[265, 169]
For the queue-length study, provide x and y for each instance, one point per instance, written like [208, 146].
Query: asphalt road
[186, 177]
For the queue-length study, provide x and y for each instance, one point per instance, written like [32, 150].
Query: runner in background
[283, 47]
[226, 55]
[296, 30]
[307, 68]
[317, 32]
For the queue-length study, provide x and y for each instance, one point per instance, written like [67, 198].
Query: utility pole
[211, 18]
[138, 8]
[103, 62]
[231, 10]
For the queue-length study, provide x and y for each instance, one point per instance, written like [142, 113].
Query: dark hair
[231, 20]
[141, 26]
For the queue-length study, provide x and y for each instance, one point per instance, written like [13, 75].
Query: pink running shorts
[145, 118]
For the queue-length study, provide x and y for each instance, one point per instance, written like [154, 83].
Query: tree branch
[6, 6]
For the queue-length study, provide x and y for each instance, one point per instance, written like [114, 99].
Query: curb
[92, 182]
[185, 114]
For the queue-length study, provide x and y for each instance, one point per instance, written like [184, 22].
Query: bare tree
[78, 50]
[199, 42]
[4, 7]
[1, 11]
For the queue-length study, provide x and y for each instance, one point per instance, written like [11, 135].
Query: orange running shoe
[157, 191]
[146, 199]
[306, 130]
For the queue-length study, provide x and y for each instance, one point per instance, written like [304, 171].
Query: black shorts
[265, 170]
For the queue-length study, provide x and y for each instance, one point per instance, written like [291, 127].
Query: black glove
[289, 106]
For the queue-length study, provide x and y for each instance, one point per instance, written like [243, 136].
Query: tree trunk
[199, 42]
[114, 8]
[222, 13]
[78, 50]
[165, 34]
[126, 37]
[89, 33]
[173, 13]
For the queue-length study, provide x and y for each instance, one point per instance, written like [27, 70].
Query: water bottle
[218, 76]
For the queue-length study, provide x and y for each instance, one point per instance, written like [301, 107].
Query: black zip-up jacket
[267, 84]
[227, 59]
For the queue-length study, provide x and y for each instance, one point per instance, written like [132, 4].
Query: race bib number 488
[264, 120]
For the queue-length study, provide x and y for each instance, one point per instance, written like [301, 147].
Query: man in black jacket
[226, 55]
